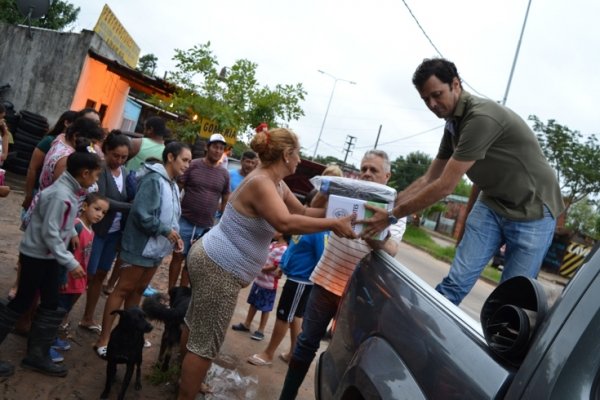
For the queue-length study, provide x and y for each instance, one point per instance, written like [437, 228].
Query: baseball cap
[216, 137]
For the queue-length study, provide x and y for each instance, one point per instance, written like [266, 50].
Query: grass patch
[492, 274]
[158, 377]
[419, 238]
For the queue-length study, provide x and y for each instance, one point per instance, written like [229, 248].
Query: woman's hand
[178, 246]
[343, 227]
[175, 239]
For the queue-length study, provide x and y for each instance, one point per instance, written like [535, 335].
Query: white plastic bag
[354, 188]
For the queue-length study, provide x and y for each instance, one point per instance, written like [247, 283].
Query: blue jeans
[526, 245]
[320, 310]
[189, 233]
[104, 251]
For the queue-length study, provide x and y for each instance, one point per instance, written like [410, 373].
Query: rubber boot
[8, 319]
[296, 372]
[44, 328]
[23, 325]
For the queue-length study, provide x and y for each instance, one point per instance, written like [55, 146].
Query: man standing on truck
[520, 196]
[331, 275]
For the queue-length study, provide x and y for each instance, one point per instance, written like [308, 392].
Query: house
[50, 72]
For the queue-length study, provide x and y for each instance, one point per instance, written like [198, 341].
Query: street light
[336, 79]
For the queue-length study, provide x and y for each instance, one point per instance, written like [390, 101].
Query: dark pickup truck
[397, 338]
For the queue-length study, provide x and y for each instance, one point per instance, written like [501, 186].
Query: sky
[378, 45]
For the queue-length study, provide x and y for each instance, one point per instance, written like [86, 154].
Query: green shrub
[419, 238]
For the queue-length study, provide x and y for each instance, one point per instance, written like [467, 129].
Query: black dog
[172, 316]
[125, 347]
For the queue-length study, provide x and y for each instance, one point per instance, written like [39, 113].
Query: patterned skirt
[214, 297]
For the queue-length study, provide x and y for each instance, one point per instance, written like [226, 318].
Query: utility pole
[349, 146]
[336, 79]
[378, 133]
[512, 69]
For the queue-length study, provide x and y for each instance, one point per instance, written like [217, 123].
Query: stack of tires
[30, 129]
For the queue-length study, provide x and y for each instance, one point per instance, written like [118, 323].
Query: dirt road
[235, 380]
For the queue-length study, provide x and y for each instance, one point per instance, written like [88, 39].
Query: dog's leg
[138, 376]
[111, 371]
[126, 380]
[167, 358]
[163, 348]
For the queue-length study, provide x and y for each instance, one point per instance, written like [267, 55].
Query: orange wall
[98, 84]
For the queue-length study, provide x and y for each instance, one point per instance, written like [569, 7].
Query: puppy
[125, 347]
[172, 316]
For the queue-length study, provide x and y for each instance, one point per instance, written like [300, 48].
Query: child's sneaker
[257, 335]
[55, 356]
[149, 291]
[61, 344]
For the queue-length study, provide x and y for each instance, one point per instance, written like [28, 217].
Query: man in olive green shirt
[520, 196]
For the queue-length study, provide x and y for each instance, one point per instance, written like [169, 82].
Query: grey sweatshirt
[53, 222]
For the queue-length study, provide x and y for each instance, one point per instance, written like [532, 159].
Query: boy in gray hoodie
[42, 254]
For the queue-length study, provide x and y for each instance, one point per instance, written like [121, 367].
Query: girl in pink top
[264, 288]
[94, 208]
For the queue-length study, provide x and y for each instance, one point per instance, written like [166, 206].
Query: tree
[584, 217]
[577, 163]
[406, 170]
[147, 64]
[232, 96]
[61, 15]
[463, 188]
[326, 160]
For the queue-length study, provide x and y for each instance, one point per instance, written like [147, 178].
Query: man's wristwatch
[392, 218]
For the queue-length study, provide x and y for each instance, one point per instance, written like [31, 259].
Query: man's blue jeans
[320, 310]
[526, 245]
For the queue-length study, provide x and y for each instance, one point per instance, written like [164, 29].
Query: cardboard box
[340, 206]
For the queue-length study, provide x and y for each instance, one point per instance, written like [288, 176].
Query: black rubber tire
[39, 119]
[25, 137]
[19, 162]
[16, 169]
[24, 155]
[12, 121]
[32, 127]
[23, 147]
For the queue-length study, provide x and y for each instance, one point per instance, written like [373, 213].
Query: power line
[422, 30]
[405, 137]
[435, 47]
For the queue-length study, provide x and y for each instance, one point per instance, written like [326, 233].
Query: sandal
[240, 327]
[96, 328]
[256, 360]
[101, 351]
[107, 290]
[285, 357]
